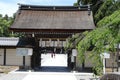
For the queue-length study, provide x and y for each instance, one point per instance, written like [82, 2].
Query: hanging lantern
[40, 42]
[50, 43]
[58, 42]
[47, 43]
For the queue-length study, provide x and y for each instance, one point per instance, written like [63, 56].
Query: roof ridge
[50, 7]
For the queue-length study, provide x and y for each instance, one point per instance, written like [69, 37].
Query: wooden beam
[48, 30]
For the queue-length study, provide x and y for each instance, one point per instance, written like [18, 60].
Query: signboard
[24, 51]
[72, 59]
[105, 55]
[74, 52]
[117, 46]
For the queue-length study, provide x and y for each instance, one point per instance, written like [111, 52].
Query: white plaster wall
[1, 56]
[12, 58]
[27, 60]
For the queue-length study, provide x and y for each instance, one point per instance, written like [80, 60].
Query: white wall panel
[1, 56]
[12, 58]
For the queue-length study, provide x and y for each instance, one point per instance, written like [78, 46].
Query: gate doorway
[54, 61]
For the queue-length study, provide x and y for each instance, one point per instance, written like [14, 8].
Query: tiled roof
[52, 18]
[4, 41]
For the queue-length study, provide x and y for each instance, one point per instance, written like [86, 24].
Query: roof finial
[19, 4]
[54, 8]
[19, 8]
[29, 7]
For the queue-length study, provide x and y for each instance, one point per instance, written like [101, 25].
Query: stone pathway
[50, 76]
[47, 76]
[13, 76]
[59, 60]
[52, 69]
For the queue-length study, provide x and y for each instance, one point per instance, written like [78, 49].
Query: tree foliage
[104, 37]
[5, 23]
[101, 8]
[108, 33]
[95, 4]
[106, 9]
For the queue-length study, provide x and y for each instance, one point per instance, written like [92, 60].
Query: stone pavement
[47, 76]
[57, 60]
[52, 69]
[50, 76]
[12, 76]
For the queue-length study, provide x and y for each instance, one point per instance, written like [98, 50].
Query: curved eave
[49, 30]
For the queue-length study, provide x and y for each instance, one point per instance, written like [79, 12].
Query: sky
[11, 6]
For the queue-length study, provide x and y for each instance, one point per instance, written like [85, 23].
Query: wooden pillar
[69, 60]
[117, 58]
[113, 59]
[83, 65]
[74, 66]
[4, 62]
[36, 57]
[33, 60]
[24, 61]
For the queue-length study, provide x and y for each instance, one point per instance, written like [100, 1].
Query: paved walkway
[50, 76]
[13, 76]
[57, 60]
[47, 76]
[52, 69]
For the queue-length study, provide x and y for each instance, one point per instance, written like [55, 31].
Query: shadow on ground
[48, 69]
[52, 69]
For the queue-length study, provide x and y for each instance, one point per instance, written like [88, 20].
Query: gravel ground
[7, 69]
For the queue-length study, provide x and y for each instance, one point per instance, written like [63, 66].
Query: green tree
[95, 5]
[104, 37]
[108, 34]
[106, 9]
[5, 23]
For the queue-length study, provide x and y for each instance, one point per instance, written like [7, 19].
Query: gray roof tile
[4, 41]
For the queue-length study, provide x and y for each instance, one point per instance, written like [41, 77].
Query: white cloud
[7, 8]
[11, 7]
